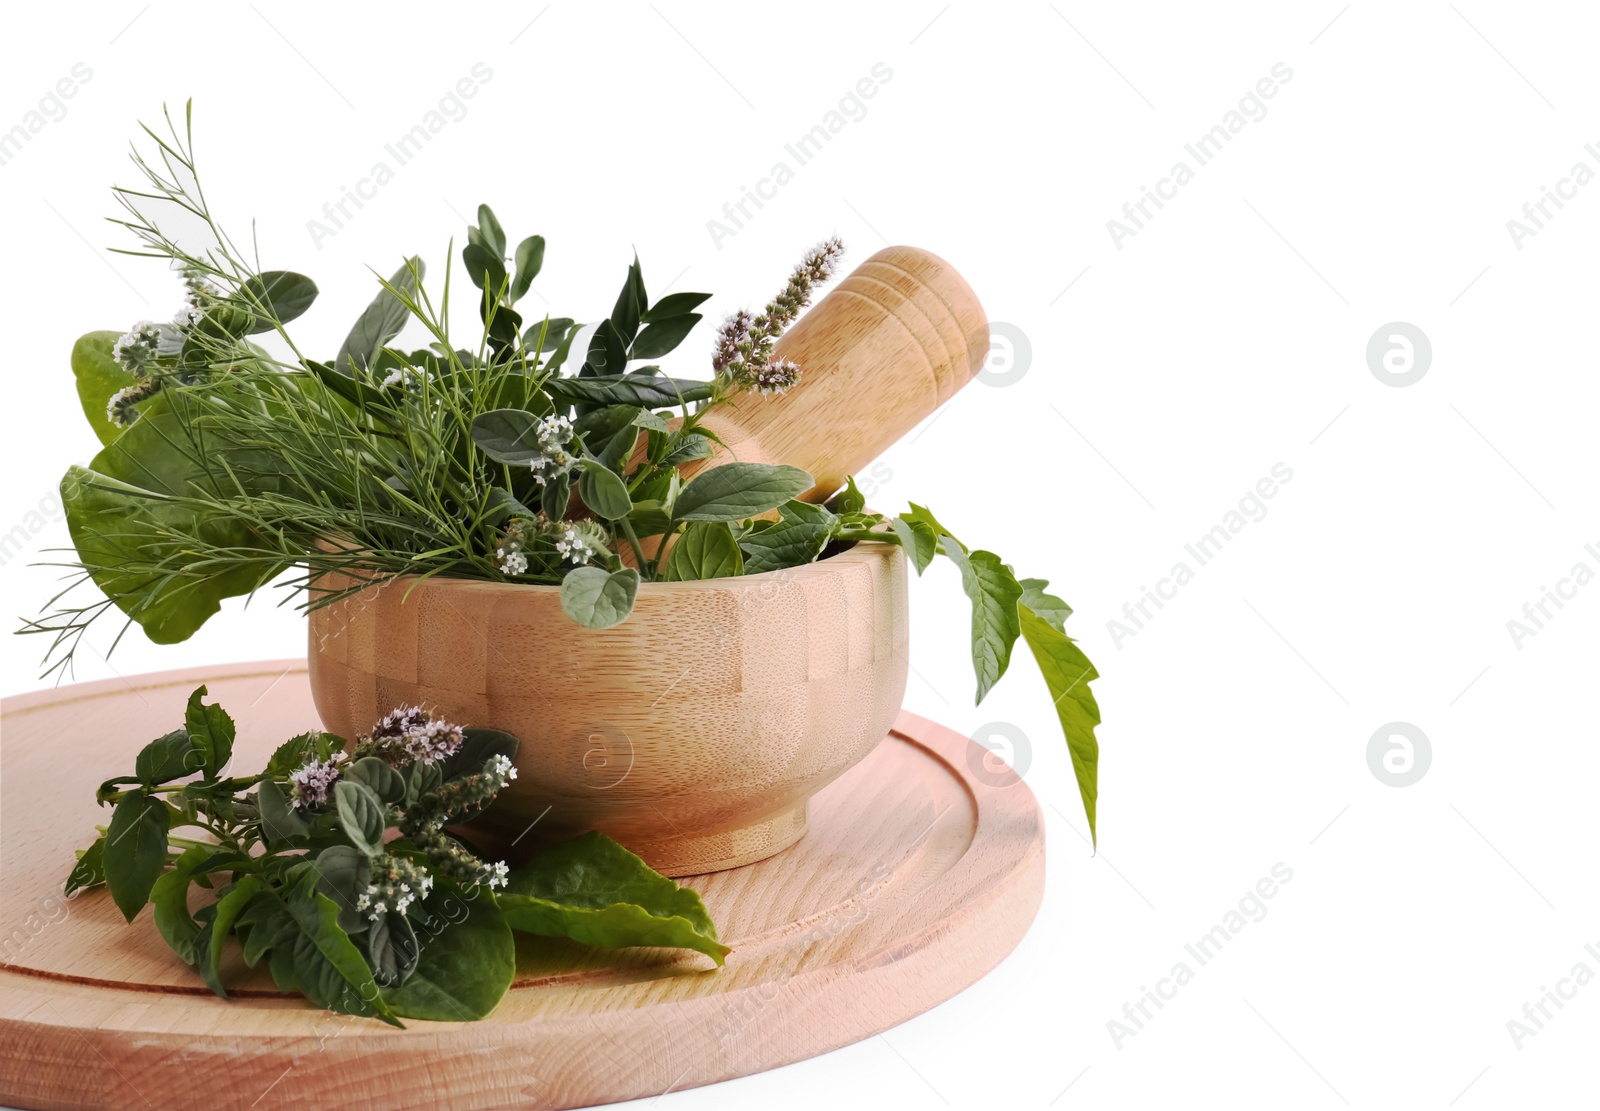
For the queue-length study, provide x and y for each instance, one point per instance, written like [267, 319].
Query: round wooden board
[923, 868]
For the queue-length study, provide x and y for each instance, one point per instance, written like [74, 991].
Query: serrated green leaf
[691, 447]
[1047, 606]
[918, 513]
[735, 491]
[136, 850]
[211, 730]
[166, 758]
[362, 818]
[1067, 674]
[918, 539]
[598, 600]
[594, 891]
[994, 593]
[795, 539]
[313, 956]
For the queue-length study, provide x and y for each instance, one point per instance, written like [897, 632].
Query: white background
[1228, 335]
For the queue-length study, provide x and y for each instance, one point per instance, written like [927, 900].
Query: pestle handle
[886, 347]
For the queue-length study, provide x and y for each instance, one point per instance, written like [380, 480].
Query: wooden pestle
[889, 344]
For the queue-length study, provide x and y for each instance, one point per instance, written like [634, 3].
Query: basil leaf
[380, 321]
[1046, 606]
[1067, 674]
[917, 513]
[735, 491]
[166, 758]
[211, 730]
[918, 539]
[169, 903]
[279, 821]
[100, 377]
[467, 959]
[342, 875]
[603, 492]
[594, 891]
[795, 539]
[136, 850]
[392, 949]
[214, 933]
[597, 600]
[994, 593]
[90, 868]
[276, 297]
[644, 390]
[530, 260]
[663, 336]
[706, 550]
[362, 817]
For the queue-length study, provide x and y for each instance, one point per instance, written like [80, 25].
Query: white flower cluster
[574, 547]
[380, 899]
[554, 434]
[495, 875]
[313, 784]
[776, 377]
[501, 768]
[137, 348]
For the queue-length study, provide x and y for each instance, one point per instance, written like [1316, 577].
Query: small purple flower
[313, 784]
[410, 735]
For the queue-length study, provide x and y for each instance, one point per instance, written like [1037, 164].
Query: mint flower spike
[410, 735]
[136, 349]
[313, 783]
[742, 356]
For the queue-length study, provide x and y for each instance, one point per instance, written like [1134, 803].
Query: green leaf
[310, 953]
[502, 505]
[662, 337]
[1067, 674]
[342, 875]
[648, 391]
[490, 231]
[392, 950]
[292, 755]
[100, 378]
[276, 297]
[597, 600]
[211, 730]
[603, 492]
[706, 550]
[214, 934]
[631, 303]
[380, 322]
[850, 499]
[1047, 606]
[795, 539]
[594, 891]
[387, 783]
[735, 491]
[169, 903]
[166, 758]
[918, 514]
[530, 260]
[487, 271]
[477, 748]
[994, 593]
[90, 868]
[136, 850]
[610, 433]
[467, 960]
[556, 496]
[279, 821]
[673, 305]
[692, 446]
[509, 436]
[362, 817]
[918, 539]
[653, 421]
[422, 778]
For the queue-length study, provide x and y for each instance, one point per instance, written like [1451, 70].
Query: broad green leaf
[691, 447]
[598, 600]
[663, 337]
[467, 958]
[603, 492]
[648, 391]
[554, 331]
[361, 815]
[608, 352]
[166, 758]
[136, 850]
[653, 421]
[918, 539]
[509, 436]
[214, 934]
[994, 593]
[484, 267]
[673, 305]
[490, 231]
[609, 433]
[735, 491]
[211, 730]
[169, 903]
[279, 821]
[292, 755]
[276, 297]
[1047, 606]
[530, 260]
[502, 506]
[311, 954]
[100, 378]
[795, 539]
[706, 550]
[850, 499]
[594, 891]
[380, 322]
[918, 513]
[90, 868]
[1067, 674]
[387, 783]
[342, 875]
[391, 950]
